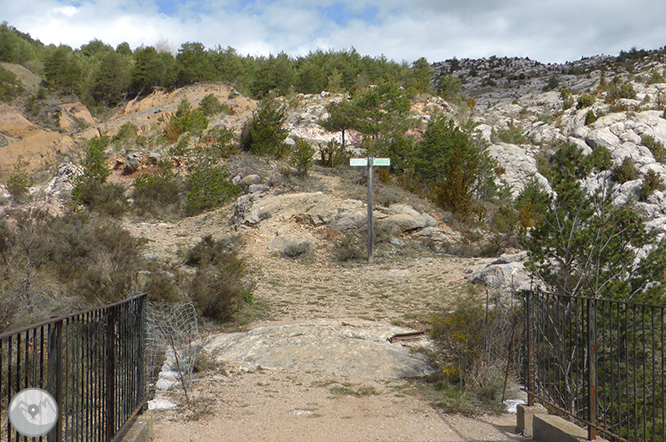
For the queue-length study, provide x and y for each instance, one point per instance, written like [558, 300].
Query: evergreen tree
[585, 245]
[265, 133]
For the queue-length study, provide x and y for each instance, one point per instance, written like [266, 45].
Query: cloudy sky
[544, 30]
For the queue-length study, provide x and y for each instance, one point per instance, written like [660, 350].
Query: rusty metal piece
[406, 336]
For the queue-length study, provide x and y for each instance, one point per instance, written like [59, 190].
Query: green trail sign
[369, 163]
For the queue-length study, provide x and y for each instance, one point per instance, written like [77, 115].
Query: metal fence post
[530, 348]
[55, 370]
[592, 368]
[110, 372]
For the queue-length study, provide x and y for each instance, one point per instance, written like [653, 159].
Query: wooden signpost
[370, 162]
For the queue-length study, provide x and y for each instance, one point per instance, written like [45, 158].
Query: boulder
[602, 137]
[505, 273]
[405, 218]
[250, 179]
[292, 245]
[63, 179]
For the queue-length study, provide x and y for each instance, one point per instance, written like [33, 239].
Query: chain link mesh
[171, 339]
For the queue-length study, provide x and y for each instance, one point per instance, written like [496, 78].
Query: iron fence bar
[592, 369]
[530, 351]
[69, 357]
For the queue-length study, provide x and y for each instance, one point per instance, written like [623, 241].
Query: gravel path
[317, 366]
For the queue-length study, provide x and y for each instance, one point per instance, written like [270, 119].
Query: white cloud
[546, 30]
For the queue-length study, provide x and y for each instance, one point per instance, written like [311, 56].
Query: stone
[64, 179]
[250, 179]
[292, 245]
[602, 137]
[161, 404]
[254, 188]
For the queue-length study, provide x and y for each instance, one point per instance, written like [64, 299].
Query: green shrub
[625, 171]
[657, 149]
[590, 118]
[585, 100]
[464, 337]
[19, 182]
[600, 159]
[106, 199]
[651, 182]
[10, 85]
[186, 120]
[91, 190]
[264, 134]
[161, 286]
[220, 288]
[333, 154]
[207, 187]
[181, 148]
[655, 77]
[505, 220]
[567, 98]
[512, 135]
[350, 248]
[210, 105]
[449, 86]
[126, 132]
[158, 193]
[301, 157]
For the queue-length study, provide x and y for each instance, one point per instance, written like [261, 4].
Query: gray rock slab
[345, 348]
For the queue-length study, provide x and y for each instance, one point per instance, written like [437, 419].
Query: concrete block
[141, 430]
[526, 418]
[555, 429]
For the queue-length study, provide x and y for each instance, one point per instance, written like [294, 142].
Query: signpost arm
[370, 209]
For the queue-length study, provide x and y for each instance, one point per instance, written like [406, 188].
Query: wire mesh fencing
[172, 344]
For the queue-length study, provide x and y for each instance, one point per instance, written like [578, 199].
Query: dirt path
[317, 365]
[274, 401]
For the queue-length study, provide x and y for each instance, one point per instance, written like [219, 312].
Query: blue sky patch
[167, 7]
[341, 16]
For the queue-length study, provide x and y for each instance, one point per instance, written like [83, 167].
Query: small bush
[219, 289]
[505, 220]
[585, 100]
[10, 85]
[186, 120]
[651, 182]
[625, 171]
[655, 77]
[657, 149]
[464, 337]
[106, 199]
[264, 134]
[126, 132]
[590, 118]
[512, 135]
[333, 154]
[301, 157]
[600, 159]
[19, 182]
[207, 187]
[567, 99]
[350, 248]
[159, 193]
[210, 105]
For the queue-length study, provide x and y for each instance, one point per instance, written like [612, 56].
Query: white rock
[602, 137]
[161, 404]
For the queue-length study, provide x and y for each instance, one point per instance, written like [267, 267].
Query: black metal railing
[598, 361]
[92, 363]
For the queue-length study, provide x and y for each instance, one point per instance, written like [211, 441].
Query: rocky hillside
[523, 109]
